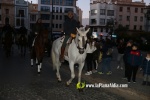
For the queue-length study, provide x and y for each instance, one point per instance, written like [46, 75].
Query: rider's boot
[62, 54]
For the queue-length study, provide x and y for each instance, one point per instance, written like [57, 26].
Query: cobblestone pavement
[18, 81]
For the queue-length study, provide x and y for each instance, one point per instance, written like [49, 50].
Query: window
[60, 2]
[102, 21]
[69, 2]
[120, 17]
[102, 11]
[60, 9]
[141, 28]
[93, 21]
[141, 10]
[32, 17]
[45, 8]
[141, 19]
[128, 9]
[0, 18]
[110, 12]
[57, 9]
[0, 6]
[45, 1]
[56, 17]
[60, 17]
[56, 25]
[121, 9]
[53, 9]
[134, 27]
[93, 12]
[135, 18]
[52, 25]
[68, 9]
[60, 25]
[136, 10]
[45, 16]
[21, 13]
[7, 11]
[18, 22]
[128, 18]
[53, 17]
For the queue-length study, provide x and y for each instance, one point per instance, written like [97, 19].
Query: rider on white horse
[70, 26]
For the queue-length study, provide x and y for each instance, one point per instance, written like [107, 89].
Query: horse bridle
[81, 50]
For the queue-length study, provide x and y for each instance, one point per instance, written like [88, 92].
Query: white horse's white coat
[73, 55]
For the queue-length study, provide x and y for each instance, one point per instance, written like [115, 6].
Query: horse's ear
[78, 30]
[87, 31]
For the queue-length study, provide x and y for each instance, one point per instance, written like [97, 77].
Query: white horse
[76, 54]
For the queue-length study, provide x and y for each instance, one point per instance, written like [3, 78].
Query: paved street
[18, 81]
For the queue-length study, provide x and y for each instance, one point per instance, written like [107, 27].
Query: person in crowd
[106, 58]
[70, 26]
[128, 48]
[23, 30]
[37, 28]
[91, 48]
[120, 48]
[134, 60]
[146, 70]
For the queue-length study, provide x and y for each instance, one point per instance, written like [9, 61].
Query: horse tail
[53, 59]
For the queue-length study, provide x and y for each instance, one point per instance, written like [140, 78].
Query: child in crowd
[134, 60]
[146, 70]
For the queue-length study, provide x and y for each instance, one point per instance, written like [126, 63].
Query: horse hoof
[59, 81]
[67, 84]
[36, 64]
[39, 73]
[31, 65]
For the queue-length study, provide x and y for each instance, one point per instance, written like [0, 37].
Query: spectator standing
[120, 48]
[146, 70]
[134, 60]
[128, 48]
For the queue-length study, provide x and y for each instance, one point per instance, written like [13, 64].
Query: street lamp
[52, 22]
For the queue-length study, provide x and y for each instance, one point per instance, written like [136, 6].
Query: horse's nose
[81, 51]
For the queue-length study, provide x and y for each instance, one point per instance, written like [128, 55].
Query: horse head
[81, 39]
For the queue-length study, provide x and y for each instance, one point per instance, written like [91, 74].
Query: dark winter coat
[70, 26]
[146, 66]
[121, 48]
[134, 58]
[126, 53]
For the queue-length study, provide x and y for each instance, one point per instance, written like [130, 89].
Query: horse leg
[80, 71]
[71, 65]
[36, 61]
[58, 73]
[32, 56]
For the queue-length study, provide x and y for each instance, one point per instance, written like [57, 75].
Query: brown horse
[23, 44]
[38, 48]
[8, 41]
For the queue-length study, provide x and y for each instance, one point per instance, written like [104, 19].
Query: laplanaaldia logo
[80, 85]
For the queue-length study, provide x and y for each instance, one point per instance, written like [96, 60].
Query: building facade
[147, 18]
[100, 14]
[6, 12]
[130, 14]
[21, 14]
[60, 9]
[79, 15]
[33, 15]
